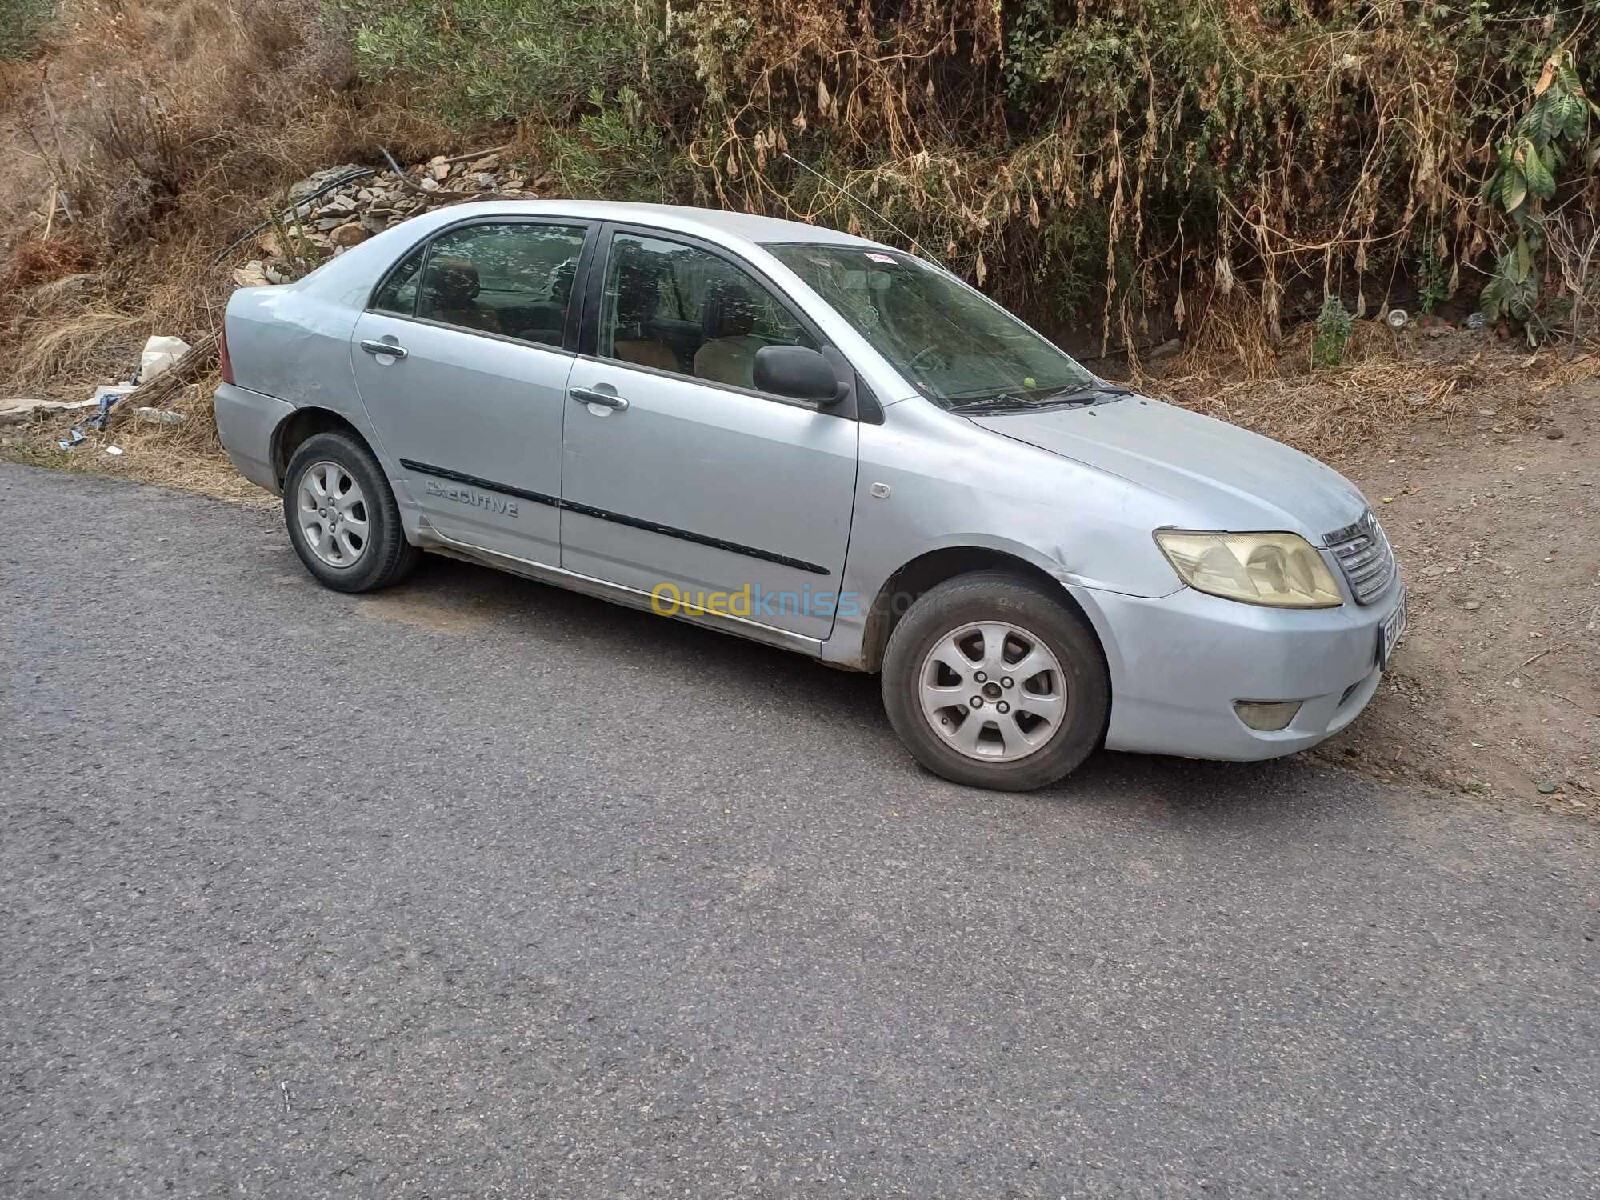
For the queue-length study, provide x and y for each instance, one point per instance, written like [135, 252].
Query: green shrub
[1333, 334]
[498, 60]
[22, 22]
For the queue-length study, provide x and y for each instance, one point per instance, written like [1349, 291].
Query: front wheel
[992, 682]
[342, 516]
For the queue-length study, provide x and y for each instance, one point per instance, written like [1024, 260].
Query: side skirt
[432, 540]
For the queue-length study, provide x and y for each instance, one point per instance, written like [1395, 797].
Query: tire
[354, 545]
[983, 623]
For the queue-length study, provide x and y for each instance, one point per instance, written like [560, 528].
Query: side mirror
[797, 372]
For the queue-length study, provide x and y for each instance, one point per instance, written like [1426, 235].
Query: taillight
[222, 354]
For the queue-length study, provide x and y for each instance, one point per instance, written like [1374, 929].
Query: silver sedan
[821, 443]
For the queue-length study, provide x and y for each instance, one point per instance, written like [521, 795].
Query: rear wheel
[342, 516]
[992, 682]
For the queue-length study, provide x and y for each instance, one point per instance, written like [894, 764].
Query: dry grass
[156, 131]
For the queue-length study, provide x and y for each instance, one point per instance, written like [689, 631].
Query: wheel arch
[304, 423]
[915, 578]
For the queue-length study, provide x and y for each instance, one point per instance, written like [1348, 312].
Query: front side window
[675, 307]
[513, 279]
[957, 347]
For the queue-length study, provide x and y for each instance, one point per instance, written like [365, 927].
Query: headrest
[728, 311]
[453, 281]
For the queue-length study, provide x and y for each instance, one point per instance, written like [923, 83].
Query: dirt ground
[1480, 460]
[1496, 688]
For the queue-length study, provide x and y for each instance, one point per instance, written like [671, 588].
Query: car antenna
[846, 192]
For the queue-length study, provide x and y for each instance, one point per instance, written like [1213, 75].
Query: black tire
[386, 557]
[993, 596]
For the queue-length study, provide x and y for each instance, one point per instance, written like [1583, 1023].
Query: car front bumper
[1179, 663]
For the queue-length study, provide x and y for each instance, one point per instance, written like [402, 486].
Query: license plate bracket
[1391, 631]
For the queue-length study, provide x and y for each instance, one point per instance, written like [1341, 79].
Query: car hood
[1217, 475]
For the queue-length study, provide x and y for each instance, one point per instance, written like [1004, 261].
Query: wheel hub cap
[966, 674]
[332, 512]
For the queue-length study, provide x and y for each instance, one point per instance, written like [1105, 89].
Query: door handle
[585, 395]
[389, 348]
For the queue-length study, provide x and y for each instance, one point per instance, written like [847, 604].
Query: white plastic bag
[159, 354]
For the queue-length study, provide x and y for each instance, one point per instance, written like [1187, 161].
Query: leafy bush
[500, 60]
[1134, 159]
[21, 23]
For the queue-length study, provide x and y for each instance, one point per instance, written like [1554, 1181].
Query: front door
[462, 362]
[680, 478]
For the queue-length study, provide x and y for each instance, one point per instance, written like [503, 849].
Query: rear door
[680, 478]
[462, 361]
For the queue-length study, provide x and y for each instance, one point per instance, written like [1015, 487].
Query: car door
[461, 361]
[679, 477]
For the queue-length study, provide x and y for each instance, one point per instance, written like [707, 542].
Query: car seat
[729, 354]
[451, 295]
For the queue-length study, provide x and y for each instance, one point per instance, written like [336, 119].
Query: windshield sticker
[883, 258]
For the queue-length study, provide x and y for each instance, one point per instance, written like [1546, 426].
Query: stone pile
[362, 203]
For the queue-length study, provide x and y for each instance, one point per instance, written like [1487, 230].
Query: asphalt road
[484, 889]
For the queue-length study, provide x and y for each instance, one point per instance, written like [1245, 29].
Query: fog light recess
[1267, 715]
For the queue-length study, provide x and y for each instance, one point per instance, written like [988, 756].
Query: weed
[1332, 336]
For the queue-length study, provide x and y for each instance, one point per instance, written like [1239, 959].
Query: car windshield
[960, 349]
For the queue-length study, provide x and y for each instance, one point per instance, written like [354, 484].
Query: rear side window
[513, 278]
[398, 295]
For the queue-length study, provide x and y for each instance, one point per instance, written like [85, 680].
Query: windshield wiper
[1086, 393]
[1000, 402]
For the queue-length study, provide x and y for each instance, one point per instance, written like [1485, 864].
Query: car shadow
[450, 597]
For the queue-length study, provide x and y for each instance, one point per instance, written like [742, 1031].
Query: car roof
[714, 223]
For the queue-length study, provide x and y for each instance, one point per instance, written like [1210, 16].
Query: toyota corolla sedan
[820, 443]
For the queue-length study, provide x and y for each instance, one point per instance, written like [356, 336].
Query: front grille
[1364, 556]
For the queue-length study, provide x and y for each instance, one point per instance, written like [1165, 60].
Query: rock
[429, 185]
[1167, 349]
[320, 179]
[440, 171]
[157, 416]
[328, 224]
[487, 163]
[1472, 605]
[21, 409]
[1547, 789]
[351, 234]
[1555, 435]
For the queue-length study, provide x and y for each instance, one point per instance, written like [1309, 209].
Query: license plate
[1393, 629]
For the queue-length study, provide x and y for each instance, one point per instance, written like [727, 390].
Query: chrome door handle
[388, 348]
[585, 395]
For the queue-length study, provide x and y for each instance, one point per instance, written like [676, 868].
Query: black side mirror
[797, 372]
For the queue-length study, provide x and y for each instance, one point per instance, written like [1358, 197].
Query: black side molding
[601, 514]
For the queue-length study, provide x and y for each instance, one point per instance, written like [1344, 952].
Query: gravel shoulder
[481, 888]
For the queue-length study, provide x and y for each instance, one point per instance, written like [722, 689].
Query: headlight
[1282, 570]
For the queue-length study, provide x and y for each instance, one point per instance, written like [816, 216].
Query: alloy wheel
[333, 514]
[993, 691]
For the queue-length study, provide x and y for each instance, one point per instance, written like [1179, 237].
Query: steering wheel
[916, 359]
